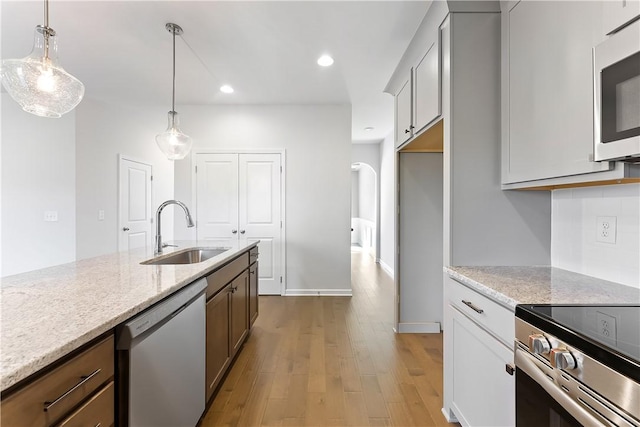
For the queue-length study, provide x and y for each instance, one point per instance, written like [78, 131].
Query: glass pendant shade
[172, 142]
[38, 83]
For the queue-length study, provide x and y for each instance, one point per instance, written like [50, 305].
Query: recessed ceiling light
[226, 89]
[325, 61]
[368, 128]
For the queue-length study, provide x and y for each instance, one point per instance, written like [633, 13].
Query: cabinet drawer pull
[252, 272]
[473, 307]
[85, 378]
[509, 368]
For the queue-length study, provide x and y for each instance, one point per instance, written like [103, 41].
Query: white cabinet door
[616, 13]
[550, 89]
[217, 198]
[426, 84]
[483, 392]
[403, 113]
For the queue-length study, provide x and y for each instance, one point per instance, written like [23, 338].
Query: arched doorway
[364, 209]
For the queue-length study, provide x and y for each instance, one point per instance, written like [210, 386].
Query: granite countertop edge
[18, 363]
[513, 285]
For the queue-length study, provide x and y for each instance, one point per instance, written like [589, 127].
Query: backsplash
[574, 231]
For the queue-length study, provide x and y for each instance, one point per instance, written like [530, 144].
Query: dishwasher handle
[158, 314]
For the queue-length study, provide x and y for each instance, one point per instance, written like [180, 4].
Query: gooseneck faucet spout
[158, 245]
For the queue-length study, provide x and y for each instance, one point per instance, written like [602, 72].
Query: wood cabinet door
[253, 293]
[483, 392]
[239, 311]
[217, 338]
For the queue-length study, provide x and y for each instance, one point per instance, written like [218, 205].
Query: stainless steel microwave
[616, 109]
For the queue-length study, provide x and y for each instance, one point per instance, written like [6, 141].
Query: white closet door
[134, 205]
[260, 214]
[217, 198]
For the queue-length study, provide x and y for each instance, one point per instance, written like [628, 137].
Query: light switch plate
[101, 215]
[51, 216]
[606, 229]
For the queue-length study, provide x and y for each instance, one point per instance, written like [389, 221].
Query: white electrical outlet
[100, 215]
[50, 216]
[606, 229]
[606, 327]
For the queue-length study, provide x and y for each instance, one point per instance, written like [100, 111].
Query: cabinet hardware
[253, 272]
[509, 368]
[407, 131]
[412, 127]
[473, 307]
[85, 378]
[242, 231]
[234, 231]
[125, 228]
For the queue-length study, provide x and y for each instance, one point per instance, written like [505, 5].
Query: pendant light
[172, 142]
[38, 82]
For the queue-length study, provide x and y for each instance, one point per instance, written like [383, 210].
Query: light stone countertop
[542, 285]
[46, 314]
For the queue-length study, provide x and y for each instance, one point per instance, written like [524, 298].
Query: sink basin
[191, 256]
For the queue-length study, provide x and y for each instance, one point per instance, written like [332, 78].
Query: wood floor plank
[355, 409]
[373, 398]
[333, 361]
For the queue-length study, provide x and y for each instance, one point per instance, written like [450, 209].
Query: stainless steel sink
[191, 256]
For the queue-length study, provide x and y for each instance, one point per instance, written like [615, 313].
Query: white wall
[387, 203]
[103, 132]
[573, 232]
[355, 194]
[420, 265]
[317, 140]
[38, 175]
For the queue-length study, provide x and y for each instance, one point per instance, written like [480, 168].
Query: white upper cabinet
[418, 99]
[426, 82]
[548, 126]
[404, 126]
[618, 13]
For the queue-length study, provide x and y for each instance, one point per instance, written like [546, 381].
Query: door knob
[125, 228]
[241, 231]
[234, 231]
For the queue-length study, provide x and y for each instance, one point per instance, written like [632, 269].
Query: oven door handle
[529, 366]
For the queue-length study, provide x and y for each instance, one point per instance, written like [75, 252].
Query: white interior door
[238, 199]
[260, 216]
[217, 198]
[135, 227]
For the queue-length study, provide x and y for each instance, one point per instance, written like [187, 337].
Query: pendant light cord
[46, 29]
[173, 95]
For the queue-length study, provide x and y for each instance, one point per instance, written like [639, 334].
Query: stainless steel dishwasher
[161, 362]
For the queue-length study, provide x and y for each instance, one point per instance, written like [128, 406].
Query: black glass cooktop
[607, 333]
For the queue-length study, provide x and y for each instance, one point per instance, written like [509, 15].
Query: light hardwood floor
[333, 361]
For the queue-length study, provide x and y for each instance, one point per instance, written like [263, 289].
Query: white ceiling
[266, 50]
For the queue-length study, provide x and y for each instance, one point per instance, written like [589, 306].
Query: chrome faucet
[158, 245]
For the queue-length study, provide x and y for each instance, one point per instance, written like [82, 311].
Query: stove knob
[539, 344]
[562, 358]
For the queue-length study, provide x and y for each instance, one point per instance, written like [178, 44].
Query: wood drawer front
[495, 318]
[253, 255]
[97, 411]
[221, 277]
[25, 407]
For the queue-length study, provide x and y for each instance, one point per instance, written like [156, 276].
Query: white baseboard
[449, 416]
[385, 267]
[318, 293]
[419, 328]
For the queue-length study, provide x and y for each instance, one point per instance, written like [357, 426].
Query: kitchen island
[47, 314]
